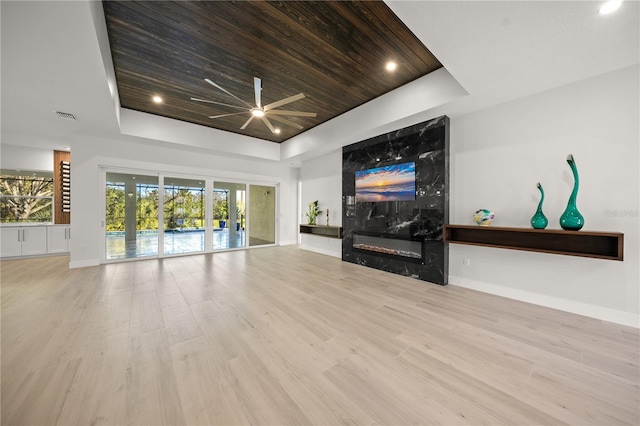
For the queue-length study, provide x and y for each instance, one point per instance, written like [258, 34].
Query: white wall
[498, 155]
[89, 154]
[22, 158]
[322, 180]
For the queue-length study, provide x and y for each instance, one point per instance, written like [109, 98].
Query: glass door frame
[163, 176]
[104, 170]
[237, 186]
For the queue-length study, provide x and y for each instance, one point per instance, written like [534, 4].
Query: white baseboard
[83, 263]
[592, 311]
[288, 243]
[321, 251]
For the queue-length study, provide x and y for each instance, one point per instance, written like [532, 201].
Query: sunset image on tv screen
[388, 183]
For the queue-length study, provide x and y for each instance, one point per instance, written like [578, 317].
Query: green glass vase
[539, 220]
[571, 219]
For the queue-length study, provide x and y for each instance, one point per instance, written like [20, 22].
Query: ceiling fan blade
[244, 126]
[287, 122]
[226, 115]
[227, 92]
[218, 103]
[268, 123]
[257, 85]
[284, 101]
[292, 113]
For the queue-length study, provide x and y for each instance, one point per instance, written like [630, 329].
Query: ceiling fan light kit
[258, 110]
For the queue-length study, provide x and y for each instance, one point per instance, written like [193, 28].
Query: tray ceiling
[333, 52]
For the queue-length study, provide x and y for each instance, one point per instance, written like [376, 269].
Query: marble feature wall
[416, 221]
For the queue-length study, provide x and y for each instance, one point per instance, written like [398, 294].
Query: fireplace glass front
[389, 246]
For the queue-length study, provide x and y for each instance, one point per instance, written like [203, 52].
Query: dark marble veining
[426, 144]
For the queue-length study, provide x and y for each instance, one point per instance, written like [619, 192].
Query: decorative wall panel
[62, 182]
[404, 237]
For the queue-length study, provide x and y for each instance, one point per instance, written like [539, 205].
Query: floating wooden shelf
[602, 245]
[322, 230]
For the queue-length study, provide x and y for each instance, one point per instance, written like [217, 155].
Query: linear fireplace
[389, 245]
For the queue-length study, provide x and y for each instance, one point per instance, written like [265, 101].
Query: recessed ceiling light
[391, 66]
[277, 131]
[257, 112]
[157, 99]
[610, 7]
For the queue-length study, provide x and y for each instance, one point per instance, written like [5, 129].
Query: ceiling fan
[264, 112]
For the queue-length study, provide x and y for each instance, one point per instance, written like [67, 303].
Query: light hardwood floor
[285, 336]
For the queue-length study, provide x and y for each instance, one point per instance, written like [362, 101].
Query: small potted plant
[313, 213]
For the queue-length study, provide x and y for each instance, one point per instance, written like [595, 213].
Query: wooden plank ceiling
[332, 51]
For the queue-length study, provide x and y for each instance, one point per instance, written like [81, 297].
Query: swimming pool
[175, 242]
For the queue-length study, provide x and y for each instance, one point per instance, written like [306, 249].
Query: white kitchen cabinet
[23, 241]
[34, 240]
[11, 242]
[58, 239]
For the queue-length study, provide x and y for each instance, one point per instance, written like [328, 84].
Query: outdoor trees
[183, 207]
[220, 205]
[146, 199]
[115, 208]
[26, 198]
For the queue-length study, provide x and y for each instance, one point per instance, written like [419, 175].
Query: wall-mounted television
[389, 183]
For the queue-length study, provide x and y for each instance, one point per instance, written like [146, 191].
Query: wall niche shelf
[601, 245]
[322, 230]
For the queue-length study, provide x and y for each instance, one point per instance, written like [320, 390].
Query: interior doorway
[262, 215]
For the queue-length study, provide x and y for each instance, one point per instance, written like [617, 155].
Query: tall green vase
[539, 220]
[571, 219]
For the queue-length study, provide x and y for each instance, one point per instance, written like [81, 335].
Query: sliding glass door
[229, 215]
[131, 217]
[154, 215]
[184, 215]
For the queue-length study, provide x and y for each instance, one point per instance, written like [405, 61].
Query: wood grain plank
[204, 385]
[41, 396]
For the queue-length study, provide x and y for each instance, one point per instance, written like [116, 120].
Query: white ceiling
[503, 50]
[497, 51]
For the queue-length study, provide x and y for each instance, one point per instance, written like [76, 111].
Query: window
[146, 206]
[26, 196]
[131, 215]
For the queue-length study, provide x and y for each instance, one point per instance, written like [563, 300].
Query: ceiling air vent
[66, 115]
